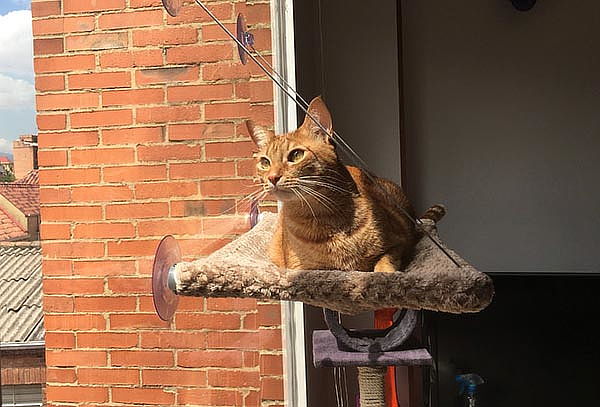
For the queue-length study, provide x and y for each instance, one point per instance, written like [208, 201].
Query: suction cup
[243, 36]
[165, 300]
[173, 7]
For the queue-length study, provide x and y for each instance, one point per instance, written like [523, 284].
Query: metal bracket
[244, 37]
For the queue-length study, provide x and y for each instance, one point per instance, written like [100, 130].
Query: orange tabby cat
[332, 216]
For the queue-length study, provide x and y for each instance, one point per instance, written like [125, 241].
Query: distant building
[6, 165]
[25, 155]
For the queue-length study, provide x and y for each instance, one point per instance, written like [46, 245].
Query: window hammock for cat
[435, 279]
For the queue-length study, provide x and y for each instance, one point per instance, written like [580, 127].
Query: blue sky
[17, 95]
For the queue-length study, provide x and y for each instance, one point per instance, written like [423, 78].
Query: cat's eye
[264, 163]
[295, 155]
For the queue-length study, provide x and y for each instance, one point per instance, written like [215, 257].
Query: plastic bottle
[468, 389]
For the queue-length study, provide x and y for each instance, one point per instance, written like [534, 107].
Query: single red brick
[84, 6]
[213, 32]
[45, 8]
[105, 304]
[258, 13]
[233, 340]
[132, 248]
[135, 173]
[173, 340]
[71, 213]
[128, 59]
[144, 3]
[64, 63]
[51, 121]
[224, 70]
[103, 230]
[269, 314]
[241, 187]
[137, 320]
[231, 304]
[74, 323]
[131, 19]
[52, 158]
[196, 93]
[208, 321]
[73, 286]
[59, 339]
[246, 168]
[60, 375]
[100, 80]
[199, 53]
[102, 118]
[54, 303]
[47, 46]
[165, 114]
[57, 267]
[100, 340]
[240, 149]
[166, 190]
[75, 394]
[132, 97]
[104, 267]
[191, 13]
[262, 113]
[271, 388]
[202, 207]
[163, 377]
[55, 231]
[166, 75]
[96, 42]
[227, 111]
[271, 365]
[165, 36]
[48, 83]
[68, 139]
[207, 358]
[202, 170]
[209, 397]
[168, 152]
[102, 156]
[270, 339]
[137, 210]
[142, 396]
[108, 376]
[73, 250]
[164, 226]
[251, 359]
[133, 135]
[233, 378]
[63, 25]
[69, 176]
[197, 131]
[129, 285]
[105, 193]
[141, 358]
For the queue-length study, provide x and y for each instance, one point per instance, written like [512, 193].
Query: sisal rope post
[371, 383]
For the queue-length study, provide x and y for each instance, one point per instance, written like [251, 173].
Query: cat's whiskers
[327, 185]
[299, 195]
[317, 196]
[248, 199]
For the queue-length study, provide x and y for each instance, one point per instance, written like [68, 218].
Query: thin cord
[336, 137]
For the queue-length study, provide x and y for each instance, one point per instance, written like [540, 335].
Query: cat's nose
[274, 179]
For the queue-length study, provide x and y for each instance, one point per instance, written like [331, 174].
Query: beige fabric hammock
[243, 269]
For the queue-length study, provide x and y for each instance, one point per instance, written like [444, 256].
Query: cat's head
[289, 162]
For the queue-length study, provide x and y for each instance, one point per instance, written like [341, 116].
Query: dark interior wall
[502, 125]
[536, 345]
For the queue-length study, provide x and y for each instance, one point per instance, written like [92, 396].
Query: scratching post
[371, 384]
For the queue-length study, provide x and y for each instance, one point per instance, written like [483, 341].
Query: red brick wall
[141, 130]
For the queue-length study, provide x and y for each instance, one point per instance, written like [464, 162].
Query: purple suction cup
[167, 255]
[243, 36]
[173, 7]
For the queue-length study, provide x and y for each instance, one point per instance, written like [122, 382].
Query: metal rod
[333, 133]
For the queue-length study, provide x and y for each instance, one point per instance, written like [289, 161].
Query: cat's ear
[259, 134]
[318, 110]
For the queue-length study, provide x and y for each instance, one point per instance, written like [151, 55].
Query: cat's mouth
[281, 193]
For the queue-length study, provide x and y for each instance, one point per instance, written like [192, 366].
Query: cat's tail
[435, 213]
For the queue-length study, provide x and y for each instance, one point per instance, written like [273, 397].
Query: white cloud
[15, 93]
[5, 145]
[16, 44]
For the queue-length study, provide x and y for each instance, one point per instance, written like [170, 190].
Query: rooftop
[32, 178]
[25, 197]
[9, 229]
[21, 293]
